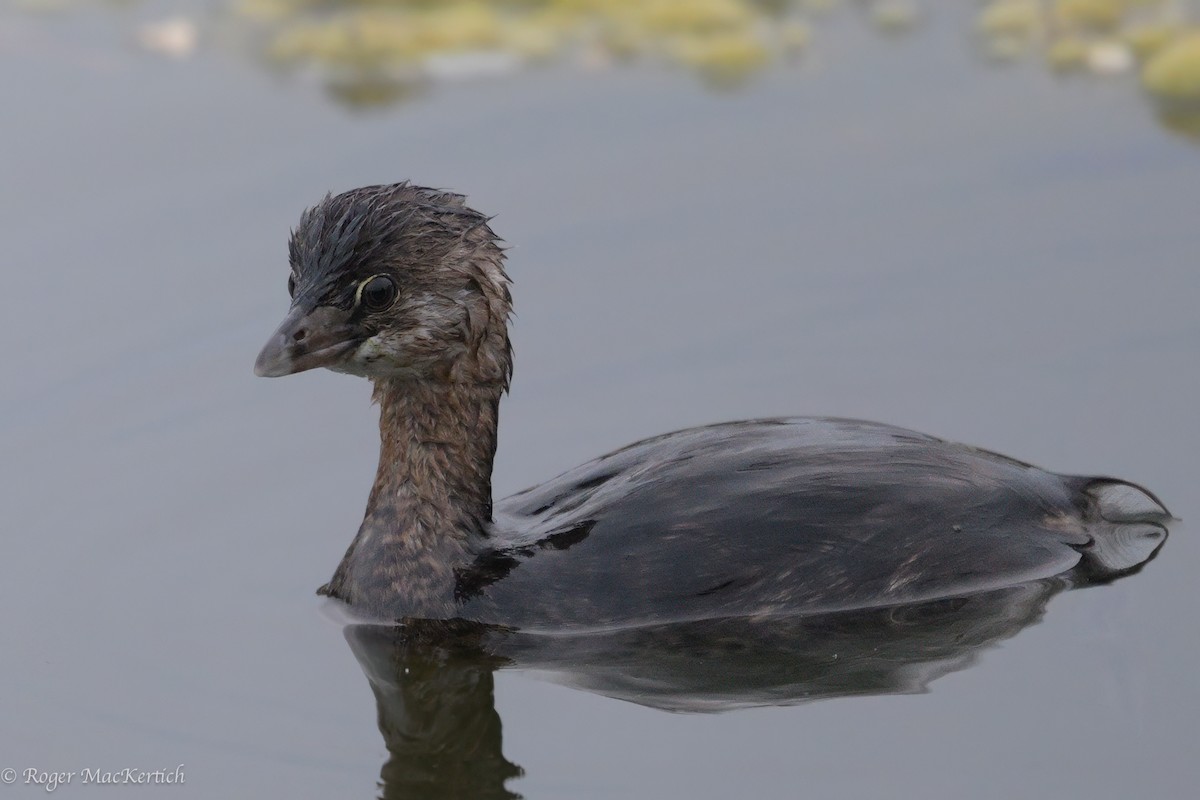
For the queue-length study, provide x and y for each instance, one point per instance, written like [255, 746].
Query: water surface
[897, 230]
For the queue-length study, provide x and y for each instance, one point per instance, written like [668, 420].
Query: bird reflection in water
[433, 680]
[434, 690]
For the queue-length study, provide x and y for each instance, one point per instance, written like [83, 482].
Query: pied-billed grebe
[406, 286]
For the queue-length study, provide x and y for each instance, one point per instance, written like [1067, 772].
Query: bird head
[395, 282]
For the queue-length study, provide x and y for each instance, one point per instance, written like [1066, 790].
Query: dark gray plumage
[406, 286]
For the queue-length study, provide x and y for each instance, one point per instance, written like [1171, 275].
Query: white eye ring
[358, 291]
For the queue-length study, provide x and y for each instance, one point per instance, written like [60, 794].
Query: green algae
[1172, 75]
[377, 53]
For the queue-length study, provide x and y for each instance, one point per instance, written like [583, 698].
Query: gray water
[898, 232]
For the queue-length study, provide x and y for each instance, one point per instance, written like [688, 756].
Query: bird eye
[377, 293]
[291, 285]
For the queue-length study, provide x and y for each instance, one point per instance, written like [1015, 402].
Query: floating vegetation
[1093, 15]
[371, 53]
[1184, 123]
[1009, 27]
[1146, 40]
[723, 41]
[894, 16]
[1068, 54]
[1172, 77]
[1098, 36]
[1172, 74]
[1161, 38]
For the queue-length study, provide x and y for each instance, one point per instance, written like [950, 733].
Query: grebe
[406, 286]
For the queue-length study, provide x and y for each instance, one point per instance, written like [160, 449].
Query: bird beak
[307, 338]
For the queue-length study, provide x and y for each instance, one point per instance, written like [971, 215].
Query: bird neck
[429, 511]
[437, 442]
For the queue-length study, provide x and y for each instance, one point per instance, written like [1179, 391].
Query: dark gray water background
[897, 231]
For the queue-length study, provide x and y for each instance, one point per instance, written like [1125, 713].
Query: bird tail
[1127, 524]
